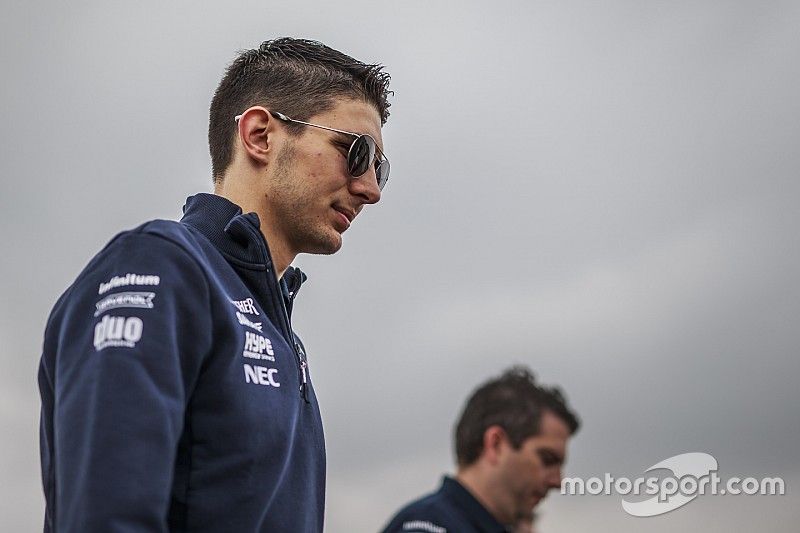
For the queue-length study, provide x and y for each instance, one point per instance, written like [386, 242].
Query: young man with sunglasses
[510, 443]
[175, 395]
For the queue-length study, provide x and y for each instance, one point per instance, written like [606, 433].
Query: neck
[282, 255]
[478, 484]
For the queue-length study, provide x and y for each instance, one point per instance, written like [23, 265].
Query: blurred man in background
[525, 524]
[510, 444]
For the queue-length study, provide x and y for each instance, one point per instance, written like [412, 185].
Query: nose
[366, 187]
[554, 479]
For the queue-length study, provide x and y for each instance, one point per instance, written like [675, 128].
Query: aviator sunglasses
[361, 154]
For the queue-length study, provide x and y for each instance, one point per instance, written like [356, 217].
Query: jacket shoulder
[170, 230]
[166, 239]
[429, 514]
[160, 243]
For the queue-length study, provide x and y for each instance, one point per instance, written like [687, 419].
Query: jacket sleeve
[132, 334]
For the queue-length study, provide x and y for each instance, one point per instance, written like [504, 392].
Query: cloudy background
[603, 191]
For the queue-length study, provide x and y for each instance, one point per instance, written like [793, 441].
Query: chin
[328, 246]
[317, 240]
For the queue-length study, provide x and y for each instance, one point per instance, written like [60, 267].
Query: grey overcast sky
[605, 191]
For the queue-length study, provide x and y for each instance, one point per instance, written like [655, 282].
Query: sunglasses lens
[382, 173]
[361, 154]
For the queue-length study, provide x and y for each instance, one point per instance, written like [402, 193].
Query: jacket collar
[477, 514]
[230, 231]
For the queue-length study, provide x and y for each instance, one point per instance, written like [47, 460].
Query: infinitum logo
[693, 474]
[128, 279]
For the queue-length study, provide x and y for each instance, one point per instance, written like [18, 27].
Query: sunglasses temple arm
[284, 118]
[281, 116]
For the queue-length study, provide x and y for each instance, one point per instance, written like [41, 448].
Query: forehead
[553, 434]
[356, 116]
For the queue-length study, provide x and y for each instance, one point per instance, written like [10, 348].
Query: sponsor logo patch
[139, 300]
[423, 525]
[261, 375]
[128, 279]
[243, 320]
[117, 331]
[246, 306]
[257, 347]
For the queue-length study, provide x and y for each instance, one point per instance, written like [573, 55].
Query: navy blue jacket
[175, 396]
[451, 509]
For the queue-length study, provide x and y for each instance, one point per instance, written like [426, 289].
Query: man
[510, 444]
[175, 395]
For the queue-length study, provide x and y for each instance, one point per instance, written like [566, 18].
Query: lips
[346, 216]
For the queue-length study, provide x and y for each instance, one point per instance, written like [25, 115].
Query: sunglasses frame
[382, 163]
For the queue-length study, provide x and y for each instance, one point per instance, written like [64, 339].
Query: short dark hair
[513, 401]
[297, 77]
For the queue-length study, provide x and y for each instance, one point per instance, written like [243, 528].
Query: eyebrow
[344, 138]
[559, 458]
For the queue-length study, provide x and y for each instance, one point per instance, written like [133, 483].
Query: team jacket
[175, 396]
[451, 509]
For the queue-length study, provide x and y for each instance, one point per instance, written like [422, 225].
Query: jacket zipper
[272, 281]
[301, 354]
[303, 371]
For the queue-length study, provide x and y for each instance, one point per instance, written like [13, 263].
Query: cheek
[315, 165]
[534, 471]
[325, 169]
[526, 472]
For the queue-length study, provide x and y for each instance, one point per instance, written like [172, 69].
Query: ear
[495, 440]
[257, 131]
